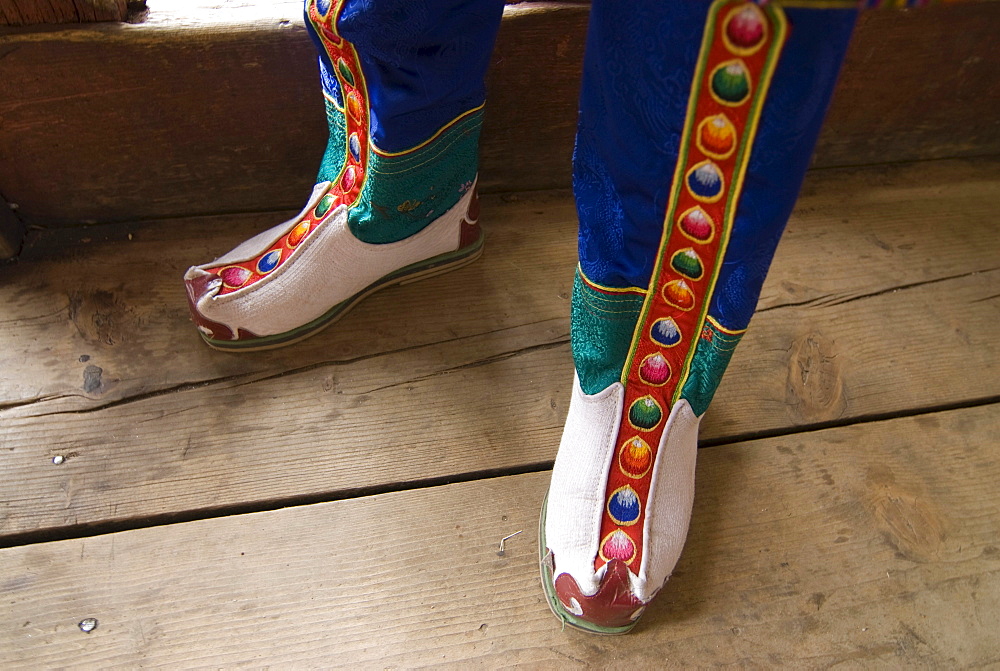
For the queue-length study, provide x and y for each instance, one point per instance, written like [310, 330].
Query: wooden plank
[29, 12]
[135, 90]
[891, 224]
[11, 231]
[479, 405]
[429, 400]
[806, 551]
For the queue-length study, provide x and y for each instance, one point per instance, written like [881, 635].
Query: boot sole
[437, 265]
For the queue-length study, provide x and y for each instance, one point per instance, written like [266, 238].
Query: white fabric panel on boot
[330, 266]
[579, 478]
[261, 242]
[671, 495]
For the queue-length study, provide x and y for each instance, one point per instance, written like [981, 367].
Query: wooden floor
[340, 502]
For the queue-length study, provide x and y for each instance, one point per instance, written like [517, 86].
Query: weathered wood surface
[11, 231]
[868, 545]
[28, 12]
[218, 111]
[116, 294]
[896, 311]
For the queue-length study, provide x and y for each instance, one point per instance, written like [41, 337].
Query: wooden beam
[872, 545]
[29, 12]
[11, 231]
[219, 112]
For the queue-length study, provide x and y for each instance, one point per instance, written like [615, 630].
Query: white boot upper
[579, 479]
[330, 266]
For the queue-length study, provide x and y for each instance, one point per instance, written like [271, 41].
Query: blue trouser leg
[423, 64]
[637, 80]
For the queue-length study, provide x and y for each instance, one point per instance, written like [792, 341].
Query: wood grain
[869, 545]
[11, 232]
[113, 296]
[28, 12]
[153, 424]
[205, 112]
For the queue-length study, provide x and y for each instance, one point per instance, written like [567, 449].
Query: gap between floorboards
[102, 528]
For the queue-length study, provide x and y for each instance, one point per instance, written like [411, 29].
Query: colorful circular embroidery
[678, 294]
[697, 225]
[345, 71]
[618, 545]
[234, 277]
[716, 137]
[269, 261]
[654, 369]
[354, 144]
[354, 105]
[645, 413]
[687, 263]
[731, 83]
[323, 6]
[324, 205]
[635, 458]
[731, 76]
[705, 182]
[745, 30]
[623, 506]
[349, 179]
[298, 234]
[665, 332]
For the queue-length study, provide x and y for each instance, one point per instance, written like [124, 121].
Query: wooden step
[868, 545]
[881, 302]
[218, 110]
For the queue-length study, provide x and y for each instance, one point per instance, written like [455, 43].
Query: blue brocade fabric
[637, 77]
[424, 62]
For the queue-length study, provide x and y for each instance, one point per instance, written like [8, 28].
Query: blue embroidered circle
[355, 146]
[665, 332]
[705, 181]
[623, 506]
[269, 261]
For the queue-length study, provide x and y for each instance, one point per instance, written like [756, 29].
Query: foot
[602, 582]
[299, 277]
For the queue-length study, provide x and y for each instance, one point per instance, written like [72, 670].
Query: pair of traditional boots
[697, 121]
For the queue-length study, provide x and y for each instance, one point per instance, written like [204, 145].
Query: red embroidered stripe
[346, 189]
[740, 48]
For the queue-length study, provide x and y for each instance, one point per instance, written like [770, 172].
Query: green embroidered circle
[731, 82]
[687, 263]
[345, 71]
[645, 413]
[324, 205]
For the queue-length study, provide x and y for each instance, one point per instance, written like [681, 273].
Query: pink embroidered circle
[618, 545]
[745, 27]
[654, 370]
[697, 225]
[234, 276]
[349, 179]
